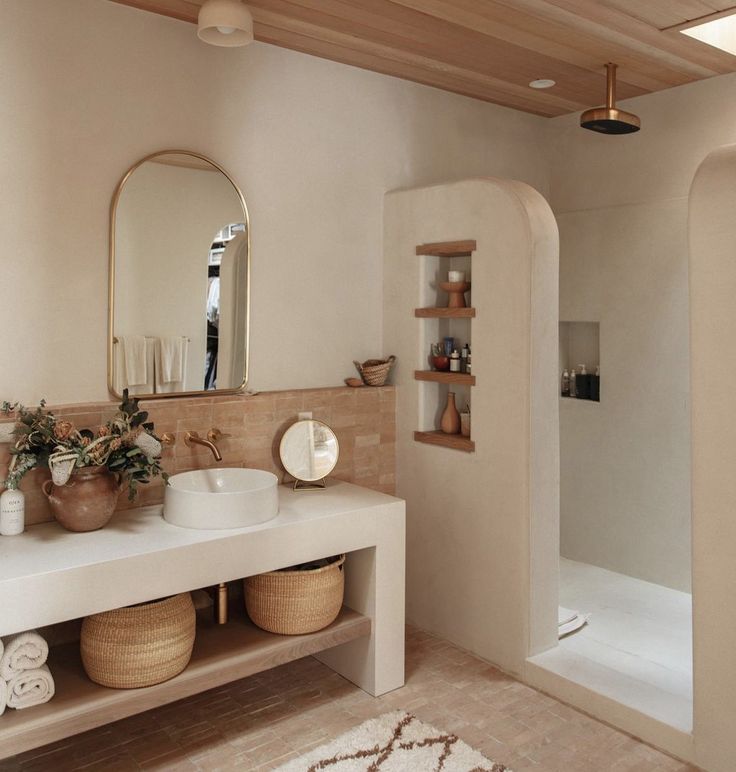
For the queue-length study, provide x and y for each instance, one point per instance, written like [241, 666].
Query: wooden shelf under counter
[221, 654]
[444, 313]
[453, 441]
[445, 376]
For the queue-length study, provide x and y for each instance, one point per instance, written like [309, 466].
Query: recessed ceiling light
[543, 83]
[719, 33]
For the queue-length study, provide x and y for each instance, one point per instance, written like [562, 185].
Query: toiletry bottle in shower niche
[582, 383]
[464, 354]
[12, 512]
[454, 361]
[573, 386]
[565, 384]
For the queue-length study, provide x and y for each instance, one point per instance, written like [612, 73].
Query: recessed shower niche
[580, 354]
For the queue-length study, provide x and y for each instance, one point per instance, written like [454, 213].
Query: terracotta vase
[87, 501]
[450, 423]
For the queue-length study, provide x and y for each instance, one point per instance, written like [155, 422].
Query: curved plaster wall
[712, 233]
[468, 515]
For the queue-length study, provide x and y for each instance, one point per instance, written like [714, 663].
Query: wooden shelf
[453, 441]
[448, 248]
[444, 313]
[444, 376]
[221, 654]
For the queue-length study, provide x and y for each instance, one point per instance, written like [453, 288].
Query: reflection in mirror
[309, 451]
[179, 273]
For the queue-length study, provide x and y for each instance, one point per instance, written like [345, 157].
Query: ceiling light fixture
[543, 83]
[225, 23]
[608, 119]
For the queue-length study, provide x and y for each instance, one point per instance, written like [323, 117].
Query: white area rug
[394, 742]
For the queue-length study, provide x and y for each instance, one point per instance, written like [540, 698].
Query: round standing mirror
[309, 451]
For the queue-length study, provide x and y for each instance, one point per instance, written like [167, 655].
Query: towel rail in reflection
[148, 337]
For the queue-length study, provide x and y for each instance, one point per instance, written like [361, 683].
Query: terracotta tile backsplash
[363, 419]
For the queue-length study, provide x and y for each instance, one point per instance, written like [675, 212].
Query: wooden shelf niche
[448, 248]
[444, 313]
[453, 441]
[445, 376]
[463, 248]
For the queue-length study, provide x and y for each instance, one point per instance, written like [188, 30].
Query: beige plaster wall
[633, 191]
[479, 523]
[89, 87]
[713, 329]
[621, 205]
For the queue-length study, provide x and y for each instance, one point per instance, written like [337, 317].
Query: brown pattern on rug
[369, 743]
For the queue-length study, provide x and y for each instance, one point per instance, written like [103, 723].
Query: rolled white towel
[30, 688]
[3, 695]
[26, 651]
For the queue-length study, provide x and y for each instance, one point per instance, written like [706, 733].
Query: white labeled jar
[12, 512]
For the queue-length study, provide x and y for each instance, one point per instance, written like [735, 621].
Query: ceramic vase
[87, 501]
[450, 423]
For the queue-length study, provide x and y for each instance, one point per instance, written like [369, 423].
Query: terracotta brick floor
[260, 722]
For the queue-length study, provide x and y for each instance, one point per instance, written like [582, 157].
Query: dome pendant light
[225, 23]
[608, 119]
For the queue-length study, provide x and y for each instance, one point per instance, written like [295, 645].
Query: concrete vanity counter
[48, 575]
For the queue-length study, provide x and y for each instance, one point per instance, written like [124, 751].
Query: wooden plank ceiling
[492, 49]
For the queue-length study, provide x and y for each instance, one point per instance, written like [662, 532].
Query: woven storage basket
[139, 645]
[296, 602]
[374, 372]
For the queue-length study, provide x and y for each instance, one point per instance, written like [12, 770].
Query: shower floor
[637, 630]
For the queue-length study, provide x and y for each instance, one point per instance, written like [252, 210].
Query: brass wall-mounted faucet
[192, 438]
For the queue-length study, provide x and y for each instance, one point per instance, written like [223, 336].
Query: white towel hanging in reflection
[170, 363]
[120, 366]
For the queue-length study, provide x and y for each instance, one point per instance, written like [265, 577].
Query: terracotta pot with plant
[89, 467]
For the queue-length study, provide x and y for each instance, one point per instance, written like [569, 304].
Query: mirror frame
[317, 482]
[111, 281]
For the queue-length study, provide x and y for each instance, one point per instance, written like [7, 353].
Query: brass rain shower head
[609, 119]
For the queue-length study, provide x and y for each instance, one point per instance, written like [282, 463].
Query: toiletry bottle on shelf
[464, 358]
[454, 361]
[469, 363]
[12, 512]
[465, 422]
[595, 385]
[449, 344]
[573, 384]
[565, 389]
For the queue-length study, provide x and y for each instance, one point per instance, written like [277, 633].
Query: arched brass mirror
[179, 279]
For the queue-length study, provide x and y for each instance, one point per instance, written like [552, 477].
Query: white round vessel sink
[221, 498]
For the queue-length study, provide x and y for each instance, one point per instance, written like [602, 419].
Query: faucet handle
[168, 438]
[214, 435]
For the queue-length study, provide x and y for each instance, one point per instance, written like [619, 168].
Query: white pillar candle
[455, 276]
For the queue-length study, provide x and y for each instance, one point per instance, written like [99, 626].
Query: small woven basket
[296, 602]
[139, 645]
[374, 372]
